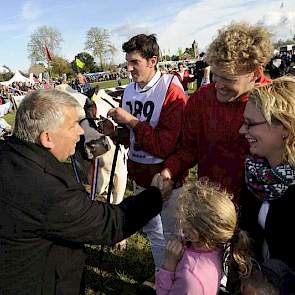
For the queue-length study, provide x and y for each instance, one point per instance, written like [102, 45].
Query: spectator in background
[291, 70]
[118, 78]
[162, 70]
[170, 69]
[81, 84]
[277, 66]
[202, 71]
[184, 77]
[130, 79]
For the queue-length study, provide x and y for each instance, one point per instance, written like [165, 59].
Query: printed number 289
[137, 109]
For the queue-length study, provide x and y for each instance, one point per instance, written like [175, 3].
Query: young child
[273, 277]
[258, 284]
[208, 221]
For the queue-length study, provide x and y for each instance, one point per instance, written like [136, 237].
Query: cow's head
[95, 144]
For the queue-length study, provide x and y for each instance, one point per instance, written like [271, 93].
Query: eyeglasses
[249, 125]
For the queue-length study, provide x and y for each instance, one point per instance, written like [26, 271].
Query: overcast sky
[175, 22]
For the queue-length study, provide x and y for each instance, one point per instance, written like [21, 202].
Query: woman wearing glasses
[268, 201]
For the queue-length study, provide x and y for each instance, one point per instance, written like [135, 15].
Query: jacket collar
[43, 158]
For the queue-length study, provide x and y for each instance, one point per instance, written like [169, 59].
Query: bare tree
[98, 43]
[43, 37]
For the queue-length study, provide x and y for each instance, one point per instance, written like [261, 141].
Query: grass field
[122, 271]
[109, 84]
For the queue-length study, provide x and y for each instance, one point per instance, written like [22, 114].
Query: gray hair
[42, 110]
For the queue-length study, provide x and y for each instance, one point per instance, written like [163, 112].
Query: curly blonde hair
[240, 47]
[212, 213]
[276, 101]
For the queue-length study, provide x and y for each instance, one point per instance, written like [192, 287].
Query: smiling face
[142, 69]
[229, 87]
[265, 141]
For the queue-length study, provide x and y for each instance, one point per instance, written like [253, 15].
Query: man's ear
[153, 61]
[45, 140]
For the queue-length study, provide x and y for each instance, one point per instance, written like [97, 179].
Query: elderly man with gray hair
[45, 215]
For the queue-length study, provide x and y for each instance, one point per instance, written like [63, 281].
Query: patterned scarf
[268, 183]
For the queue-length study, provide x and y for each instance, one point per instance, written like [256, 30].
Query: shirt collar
[150, 84]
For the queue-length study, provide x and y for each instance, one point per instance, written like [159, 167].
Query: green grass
[122, 270]
[10, 117]
[109, 84]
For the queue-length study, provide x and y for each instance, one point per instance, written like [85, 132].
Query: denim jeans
[162, 227]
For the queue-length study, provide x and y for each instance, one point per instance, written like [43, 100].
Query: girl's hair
[276, 103]
[212, 213]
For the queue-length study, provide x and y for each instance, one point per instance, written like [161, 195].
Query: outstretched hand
[164, 185]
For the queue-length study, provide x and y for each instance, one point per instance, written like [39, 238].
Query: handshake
[164, 183]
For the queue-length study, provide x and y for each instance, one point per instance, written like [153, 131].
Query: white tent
[3, 70]
[18, 77]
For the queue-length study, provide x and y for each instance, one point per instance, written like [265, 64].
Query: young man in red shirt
[214, 113]
[152, 109]
[184, 77]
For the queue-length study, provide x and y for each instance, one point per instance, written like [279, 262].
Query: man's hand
[121, 116]
[166, 174]
[174, 252]
[165, 186]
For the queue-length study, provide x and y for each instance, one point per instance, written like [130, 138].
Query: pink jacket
[197, 273]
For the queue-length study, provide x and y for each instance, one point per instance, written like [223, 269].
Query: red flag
[47, 53]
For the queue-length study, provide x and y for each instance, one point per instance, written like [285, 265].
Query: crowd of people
[15, 89]
[229, 231]
[198, 73]
[282, 63]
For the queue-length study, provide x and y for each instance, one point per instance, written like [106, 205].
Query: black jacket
[46, 217]
[279, 225]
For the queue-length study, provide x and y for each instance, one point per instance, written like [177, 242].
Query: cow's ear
[45, 140]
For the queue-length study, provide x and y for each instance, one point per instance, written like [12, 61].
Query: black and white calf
[97, 142]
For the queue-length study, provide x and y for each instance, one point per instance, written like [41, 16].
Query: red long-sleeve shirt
[162, 140]
[211, 139]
